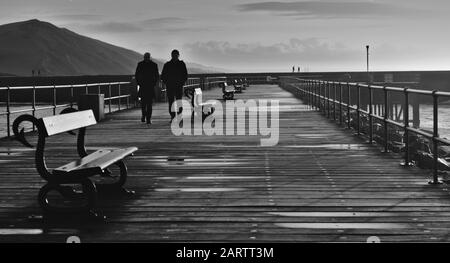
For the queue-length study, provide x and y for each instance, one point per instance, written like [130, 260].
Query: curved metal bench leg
[117, 187]
[89, 191]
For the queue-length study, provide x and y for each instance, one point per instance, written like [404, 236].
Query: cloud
[163, 21]
[314, 53]
[115, 27]
[294, 49]
[328, 9]
[77, 17]
[162, 24]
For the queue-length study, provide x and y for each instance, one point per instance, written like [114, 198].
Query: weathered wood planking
[318, 184]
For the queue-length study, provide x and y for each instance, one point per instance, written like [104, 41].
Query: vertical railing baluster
[386, 117]
[72, 96]
[119, 98]
[315, 94]
[348, 106]
[370, 114]
[33, 105]
[406, 126]
[109, 98]
[328, 100]
[340, 104]
[54, 100]
[334, 101]
[435, 137]
[358, 109]
[8, 111]
[323, 103]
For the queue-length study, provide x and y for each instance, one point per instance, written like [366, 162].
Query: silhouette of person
[293, 69]
[174, 75]
[147, 76]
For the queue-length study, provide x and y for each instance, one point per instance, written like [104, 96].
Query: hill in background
[55, 51]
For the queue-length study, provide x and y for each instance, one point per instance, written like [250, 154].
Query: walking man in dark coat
[174, 75]
[147, 76]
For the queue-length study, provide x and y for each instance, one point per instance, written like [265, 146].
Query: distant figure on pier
[174, 75]
[293, 69]
[147, 76]
[298, 69]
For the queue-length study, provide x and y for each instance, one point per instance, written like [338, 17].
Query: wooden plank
[68, 122]
[99, 159]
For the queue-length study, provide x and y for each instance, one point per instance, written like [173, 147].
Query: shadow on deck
[319, 183]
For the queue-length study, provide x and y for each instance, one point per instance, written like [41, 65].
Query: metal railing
[335, 98]
[116, 95]
[53, 104]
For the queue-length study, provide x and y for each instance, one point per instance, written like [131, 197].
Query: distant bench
[207, 108]
[79, 171]
[238, 87]
[228, 94]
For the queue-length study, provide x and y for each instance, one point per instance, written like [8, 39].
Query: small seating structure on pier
[319, 184]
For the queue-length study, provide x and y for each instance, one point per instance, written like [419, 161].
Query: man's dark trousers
[146, 106]
[173, 94]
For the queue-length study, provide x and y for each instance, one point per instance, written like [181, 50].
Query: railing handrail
[200, 80]
[314, 96]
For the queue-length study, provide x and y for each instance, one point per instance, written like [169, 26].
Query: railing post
[358, 108]
[54, 100]
[385, 119]
[33, 105]
[328, 99]
[340, 104]
[109, 98]
[334, 101]
[348, 106]
[435, 137]
[8, 111]
[72, 95]
[370, 114]
[310, 96]
[120, 100]
[315, 94]
[128, 98]
[406, 127]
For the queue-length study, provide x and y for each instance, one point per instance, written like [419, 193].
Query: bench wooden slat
[100, 159]
[68, 122]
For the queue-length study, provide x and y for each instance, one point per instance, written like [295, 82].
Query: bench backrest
[197, 92]
[68, 122]
[223, 85]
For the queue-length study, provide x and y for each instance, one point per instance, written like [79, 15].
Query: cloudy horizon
[255, 36]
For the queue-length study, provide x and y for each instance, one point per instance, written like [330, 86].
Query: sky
[258, 35]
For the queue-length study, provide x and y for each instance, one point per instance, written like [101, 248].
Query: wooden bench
[207, 108]
[64, 179]
[237, 86]
[228, 94]
[245, 83]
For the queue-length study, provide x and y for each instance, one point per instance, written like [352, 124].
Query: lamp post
[368, 69]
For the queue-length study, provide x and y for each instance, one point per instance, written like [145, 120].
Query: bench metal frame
[60, 183]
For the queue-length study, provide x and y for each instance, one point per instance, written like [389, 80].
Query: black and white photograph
[250, 123]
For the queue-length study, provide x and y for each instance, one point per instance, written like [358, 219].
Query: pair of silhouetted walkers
[174, 75]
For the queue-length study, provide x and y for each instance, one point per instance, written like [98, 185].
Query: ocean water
[426, 119]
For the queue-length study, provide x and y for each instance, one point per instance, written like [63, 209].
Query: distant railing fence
[374, 118]
[47, 100]
[43, 96]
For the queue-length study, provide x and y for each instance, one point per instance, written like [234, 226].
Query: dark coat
[174, 74]
[147, 76]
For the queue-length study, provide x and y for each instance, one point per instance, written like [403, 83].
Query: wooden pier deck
[319, 184]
